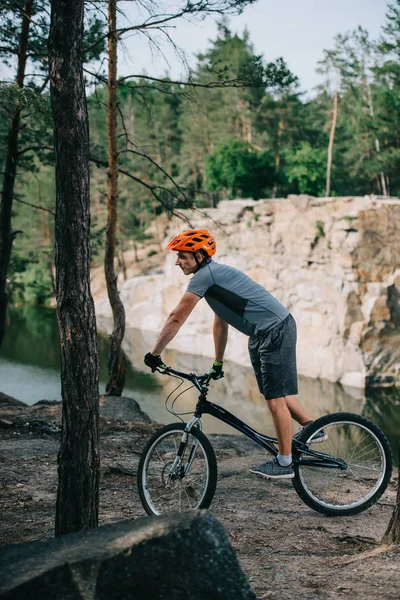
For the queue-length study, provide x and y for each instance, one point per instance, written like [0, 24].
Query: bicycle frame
[206, 407]
[267, 442]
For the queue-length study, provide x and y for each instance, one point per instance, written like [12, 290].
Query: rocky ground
[286, 549]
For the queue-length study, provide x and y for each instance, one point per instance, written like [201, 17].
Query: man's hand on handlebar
[216, 371]
[154, 362]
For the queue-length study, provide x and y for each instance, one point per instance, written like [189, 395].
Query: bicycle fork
[176, 468]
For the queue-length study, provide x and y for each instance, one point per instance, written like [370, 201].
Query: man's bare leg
[283, 410]
[297, 411]
[282, 419]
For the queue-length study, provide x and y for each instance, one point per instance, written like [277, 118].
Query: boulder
[184, 556]
[120, 408]
[10, 401]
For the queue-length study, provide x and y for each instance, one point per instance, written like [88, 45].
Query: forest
[231, 129]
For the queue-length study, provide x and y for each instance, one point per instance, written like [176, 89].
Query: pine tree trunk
[281, 127]
[6, 233]
[377, 144]
[78, 458]
[392, 534]
[116, 360]
[331, 141]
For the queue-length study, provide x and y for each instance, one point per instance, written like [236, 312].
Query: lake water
[30, 367]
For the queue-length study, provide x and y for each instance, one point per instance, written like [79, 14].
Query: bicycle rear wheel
[365, 450]
[171, 483]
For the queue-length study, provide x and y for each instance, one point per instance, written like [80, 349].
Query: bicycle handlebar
[195, 379]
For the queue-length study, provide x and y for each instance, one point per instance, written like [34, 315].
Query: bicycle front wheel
[169, 481]
[366, 453]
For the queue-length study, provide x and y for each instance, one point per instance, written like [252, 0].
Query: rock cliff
[333, 262]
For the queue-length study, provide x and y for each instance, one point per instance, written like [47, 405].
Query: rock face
[184, 556]
[333, 262]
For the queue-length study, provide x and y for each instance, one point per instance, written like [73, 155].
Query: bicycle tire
[367, 453]
[157, 492]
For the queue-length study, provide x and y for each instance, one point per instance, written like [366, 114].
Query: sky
[297, 30]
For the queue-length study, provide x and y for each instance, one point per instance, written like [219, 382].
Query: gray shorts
[273, 356]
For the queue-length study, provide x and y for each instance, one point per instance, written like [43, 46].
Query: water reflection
[383, 407]
[30, 358]
[30, 364]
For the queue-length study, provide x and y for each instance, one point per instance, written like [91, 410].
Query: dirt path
[286, 549]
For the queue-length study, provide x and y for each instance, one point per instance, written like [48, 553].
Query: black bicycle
[342, 475]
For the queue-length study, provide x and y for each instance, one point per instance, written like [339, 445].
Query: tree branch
[34, 148]
[211, 84]
[158, 190]
[157, 21]
[34, 206]
[155, 164]
[103, 79]
[236, 83]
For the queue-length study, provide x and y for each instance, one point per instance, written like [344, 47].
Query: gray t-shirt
[236, 298]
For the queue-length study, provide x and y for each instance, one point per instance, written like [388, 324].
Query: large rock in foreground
[177, 557]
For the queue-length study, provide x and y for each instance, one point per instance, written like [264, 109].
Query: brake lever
[162, 371]
[206, 378]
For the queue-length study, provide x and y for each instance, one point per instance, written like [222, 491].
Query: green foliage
[215, 116]
[231, 58]
[306, 168]
[239, 170]
[320, 233]
[320, 229]
[30, 278]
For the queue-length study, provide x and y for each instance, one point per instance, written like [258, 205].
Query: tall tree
[354, 56]
[387, 98]
[227, 112]
[279, 122]
[7, 235]
[78, 459]
[330, 67]
[116, 360]
[331, 141]
[25, 105]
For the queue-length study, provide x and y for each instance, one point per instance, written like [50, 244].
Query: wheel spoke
[365, 451]
[163, 493]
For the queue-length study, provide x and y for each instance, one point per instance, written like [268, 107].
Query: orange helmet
[193, 240]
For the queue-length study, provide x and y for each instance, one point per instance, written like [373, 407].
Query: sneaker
[273, 470]
[320, 436]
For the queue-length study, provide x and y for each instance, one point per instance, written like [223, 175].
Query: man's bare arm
[175, 321]
[220, 333]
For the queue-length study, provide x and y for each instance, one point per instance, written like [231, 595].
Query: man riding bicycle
[239, 301]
